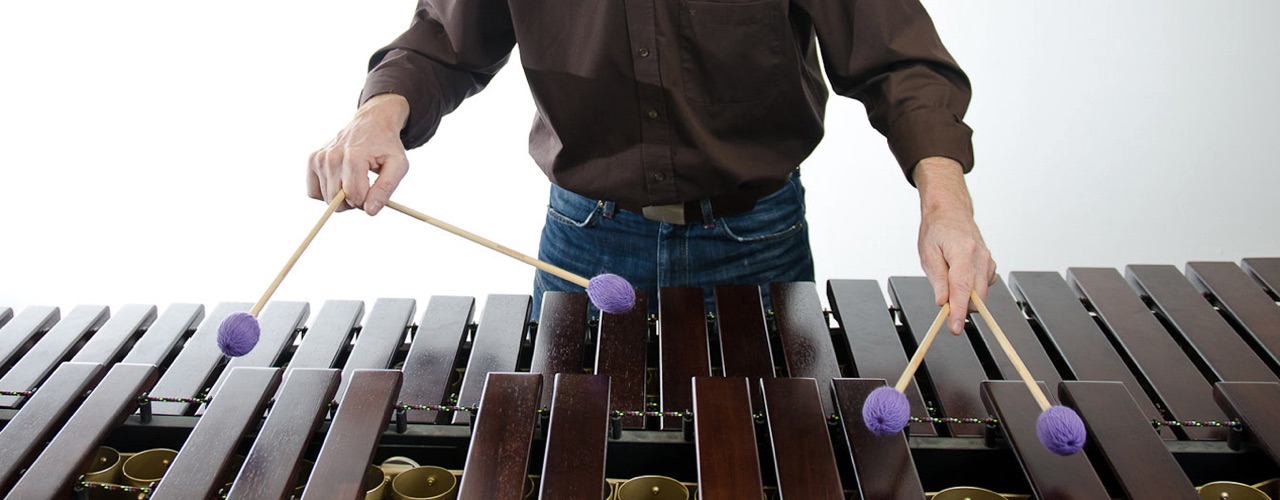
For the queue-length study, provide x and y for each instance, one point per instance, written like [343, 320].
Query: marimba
[1174, 374]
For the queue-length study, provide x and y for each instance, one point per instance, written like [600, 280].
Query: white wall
[153, 152]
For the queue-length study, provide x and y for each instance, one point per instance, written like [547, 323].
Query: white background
[153, 151]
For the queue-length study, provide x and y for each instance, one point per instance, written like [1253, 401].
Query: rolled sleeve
[928, 133]
[440, 61]
[887, 54]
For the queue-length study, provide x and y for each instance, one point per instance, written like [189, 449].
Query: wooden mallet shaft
[1013, 355]
[1001, 339]
[333, 206]
[554, 270]
[918, 357]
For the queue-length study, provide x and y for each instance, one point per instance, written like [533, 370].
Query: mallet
[609, 292]
[239, 332]
[1058, 427]
[886, 410]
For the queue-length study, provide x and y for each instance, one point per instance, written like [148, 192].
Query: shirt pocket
[730, 52]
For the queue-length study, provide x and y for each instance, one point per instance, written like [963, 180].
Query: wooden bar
[273, 462]
[280, 323]
[190, 370]
[1087, 354]
[562, 337]
[620, 355]
[884, 465]
[1238, 296]
[951, 365]
[1256, 405]
[108, 343]
[495, 346]
[744, 337]
[1015, 327]
[1123, 436]
[498, 459]
[429, 366]
[725, 437]
[1050, 475]
[384, 332]
[115, 398]
[1222, 350]
[353, 435]
[682, 344]
[328, 335]
[806, 339]
[55, 346]
[860, 309]
[162, 336]
[198, 469]
[802, 452]
[1266, 271]
[573, 466]
[1173, 380]
[20, 333]
[27, 432]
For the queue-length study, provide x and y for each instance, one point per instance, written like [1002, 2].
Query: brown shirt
[651, 102]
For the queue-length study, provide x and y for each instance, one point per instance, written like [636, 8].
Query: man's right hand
[370, 143]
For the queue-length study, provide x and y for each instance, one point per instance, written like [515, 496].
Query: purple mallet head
[886, 411]
[611, 293]
[1061, 430]
[238, 334]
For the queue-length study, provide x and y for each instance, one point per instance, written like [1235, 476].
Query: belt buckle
[671, 214]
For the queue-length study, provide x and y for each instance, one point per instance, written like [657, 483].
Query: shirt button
[659, 176]
[653, 113]
[644, 52]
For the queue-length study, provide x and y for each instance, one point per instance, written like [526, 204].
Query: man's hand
[370, 143]
[952, 252]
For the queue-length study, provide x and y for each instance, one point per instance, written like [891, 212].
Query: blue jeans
[591, 237]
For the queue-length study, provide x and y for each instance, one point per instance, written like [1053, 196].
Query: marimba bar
[1175, 374]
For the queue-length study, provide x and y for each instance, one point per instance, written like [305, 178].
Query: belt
[736, 203]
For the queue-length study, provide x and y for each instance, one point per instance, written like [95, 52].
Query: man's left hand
[952, 252]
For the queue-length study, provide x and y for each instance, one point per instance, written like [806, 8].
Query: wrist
[940, 182]
[390, 109]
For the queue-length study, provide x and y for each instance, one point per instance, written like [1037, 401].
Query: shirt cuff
[424, 115]
[927, 133]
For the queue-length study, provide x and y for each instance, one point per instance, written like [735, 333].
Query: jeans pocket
[572, 209]
[777, 216]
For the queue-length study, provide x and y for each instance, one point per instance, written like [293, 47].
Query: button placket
[656, 148]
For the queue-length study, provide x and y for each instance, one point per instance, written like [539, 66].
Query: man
[672, 130]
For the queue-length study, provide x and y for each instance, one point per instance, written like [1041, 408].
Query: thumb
[392, 171]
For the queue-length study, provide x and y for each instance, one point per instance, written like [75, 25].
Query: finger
[935, 269]
[330, 182]
[959, 284]
[313, 181]
[984, 274]
[391, 171]
[355, 177]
